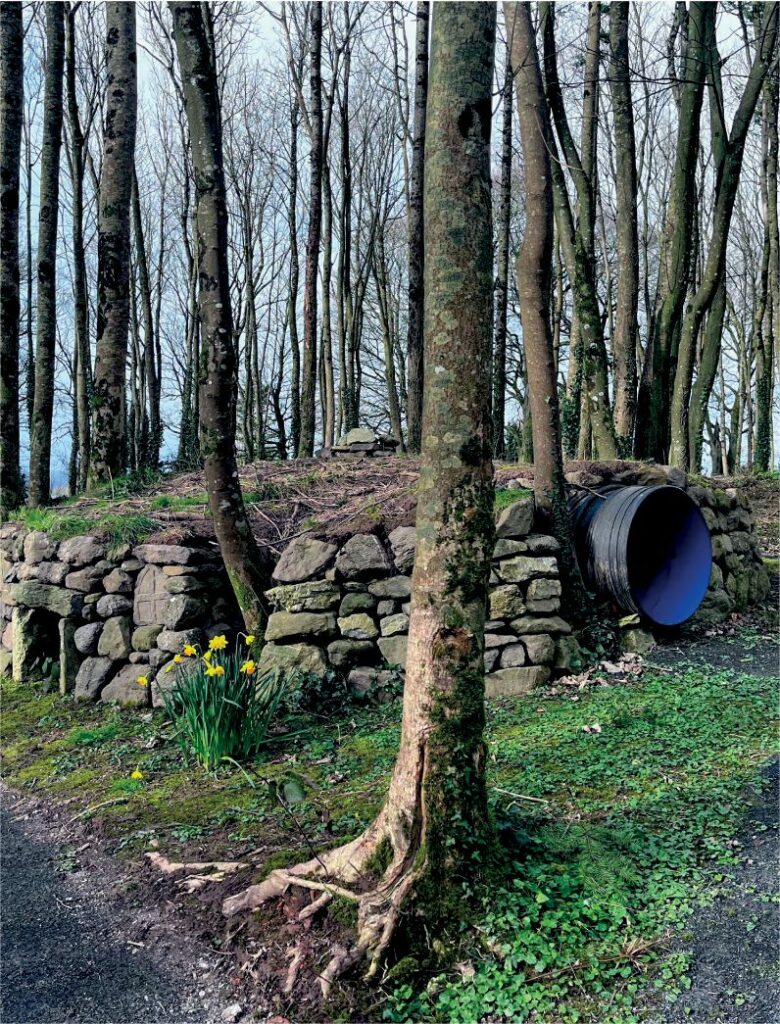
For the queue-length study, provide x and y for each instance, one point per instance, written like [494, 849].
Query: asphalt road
[65, 954]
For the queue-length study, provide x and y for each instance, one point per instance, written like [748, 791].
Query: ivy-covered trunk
[11, 104]
[247, 567]
[113, 311]
[432, 837]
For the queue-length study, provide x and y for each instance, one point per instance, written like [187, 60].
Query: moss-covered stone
[292, 657]
[358, 627]
[286, 625]
[314, 596]
[515, 682]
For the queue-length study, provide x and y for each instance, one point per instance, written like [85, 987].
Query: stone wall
[107, 615]
[345, 606]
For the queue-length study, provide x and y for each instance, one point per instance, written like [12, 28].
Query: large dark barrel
[648, 548]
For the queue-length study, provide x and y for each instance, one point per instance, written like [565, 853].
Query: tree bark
[82, 354]
[714, 268]
[48, 211]
[416, 306]
[652, 426]
[113, 310]
[502, 269]
[625, 334]
[151, 456]
[11, 106]
[247, 566]
[434, 827]
[309, 369]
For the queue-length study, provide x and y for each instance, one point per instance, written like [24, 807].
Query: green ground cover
[618, 806]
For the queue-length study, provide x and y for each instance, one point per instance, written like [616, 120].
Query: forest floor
[641, 881]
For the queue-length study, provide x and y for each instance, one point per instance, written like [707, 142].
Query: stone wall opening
[36, 645]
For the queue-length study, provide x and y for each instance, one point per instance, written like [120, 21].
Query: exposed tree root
[197, 873]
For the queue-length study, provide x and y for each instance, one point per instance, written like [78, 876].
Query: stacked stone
[121, 612]
[347, 607]
[360, 442]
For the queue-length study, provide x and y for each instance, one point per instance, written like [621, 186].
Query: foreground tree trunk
[309, 369]
[11, 103]
[414, 343]
[434, 828]
[48, 211]
[503, 215]
[113, 310]
[246, 565]
[765, 369]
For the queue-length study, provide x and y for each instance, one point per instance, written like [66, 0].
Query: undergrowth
[618, 808]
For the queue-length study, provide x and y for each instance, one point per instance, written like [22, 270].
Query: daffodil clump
[220, 707]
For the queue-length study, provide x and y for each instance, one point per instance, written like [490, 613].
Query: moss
[381, 859]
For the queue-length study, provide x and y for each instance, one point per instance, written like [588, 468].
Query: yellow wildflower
[136, 774]
[248, 667]
[170, 667]
[177, 659]
[215, 670]
[250, 639]
[207, 656]
[189, 651]
[142, 681]
[217, 643]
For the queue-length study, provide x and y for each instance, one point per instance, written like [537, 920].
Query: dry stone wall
[106, 615]
[345, 606]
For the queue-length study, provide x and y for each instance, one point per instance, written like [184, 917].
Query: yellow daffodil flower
[136, 774]
[189, 651]
[250, 639]
[142, 681]
[177, 659]
[215, 670]
[248, 667]
[207, 656]
[217, 643]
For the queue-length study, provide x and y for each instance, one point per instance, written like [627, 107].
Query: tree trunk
[11, 106]
[309, 369]
[247, 566]
[48, 211]
[151, 456]
[292, 301]
[652, 426]
[113, 310]
[414, 343]
[82, 354]
[765, 351]
[625, 333]
[434, 830]
[714, 268]
[502, 269]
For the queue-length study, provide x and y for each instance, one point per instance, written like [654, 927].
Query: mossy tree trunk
[11, 105]
[107, 458]
[48, 215]
[433, 833]
[416, 307]
[247, 566]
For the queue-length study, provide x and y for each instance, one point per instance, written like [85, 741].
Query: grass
[629, 828]
[508, 496]
[127, 528]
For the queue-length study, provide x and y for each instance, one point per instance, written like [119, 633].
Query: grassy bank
[619, 805]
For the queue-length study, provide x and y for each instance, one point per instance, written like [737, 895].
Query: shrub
[220, 709]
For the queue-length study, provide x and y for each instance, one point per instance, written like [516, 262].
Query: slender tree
[503, 216]
[416, 301]
[11, 108]
[434, 827]
[624, 340]
[246, 565]
[113, 310]
[48, 214]
[309, 368]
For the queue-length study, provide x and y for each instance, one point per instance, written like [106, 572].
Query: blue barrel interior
[669, 556]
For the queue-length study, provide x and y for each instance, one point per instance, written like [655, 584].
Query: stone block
[86, 637]
[110, 605]
[513, 656]
[358, 627]
[394, 649]
[92, 676]
[541, 543]
[396, 587]
[517, 520]
[361, 557]
[516, 682]
[84, 580]
[543, 589]
[356, 602]
[164, 554]
[144, 637]
[69, 656]
[303, 558]
[403, 541]
[392, 625]
[81, 550]
[637, 640]
[150, 597]
[493, 640]
[118, 582]
[507, 548]
[183, 611]
[292, 658]
[568, 654]
[529, 624]
[125, 689]
[28, 644]
[174, 641]
[287, 625]
[523, 568]
[387, 607]
[364, 680]
[114, 641]
[315, 596]
[540, 649]
[505, 602]
[39, 547]
[57, 600]
[346, 654]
